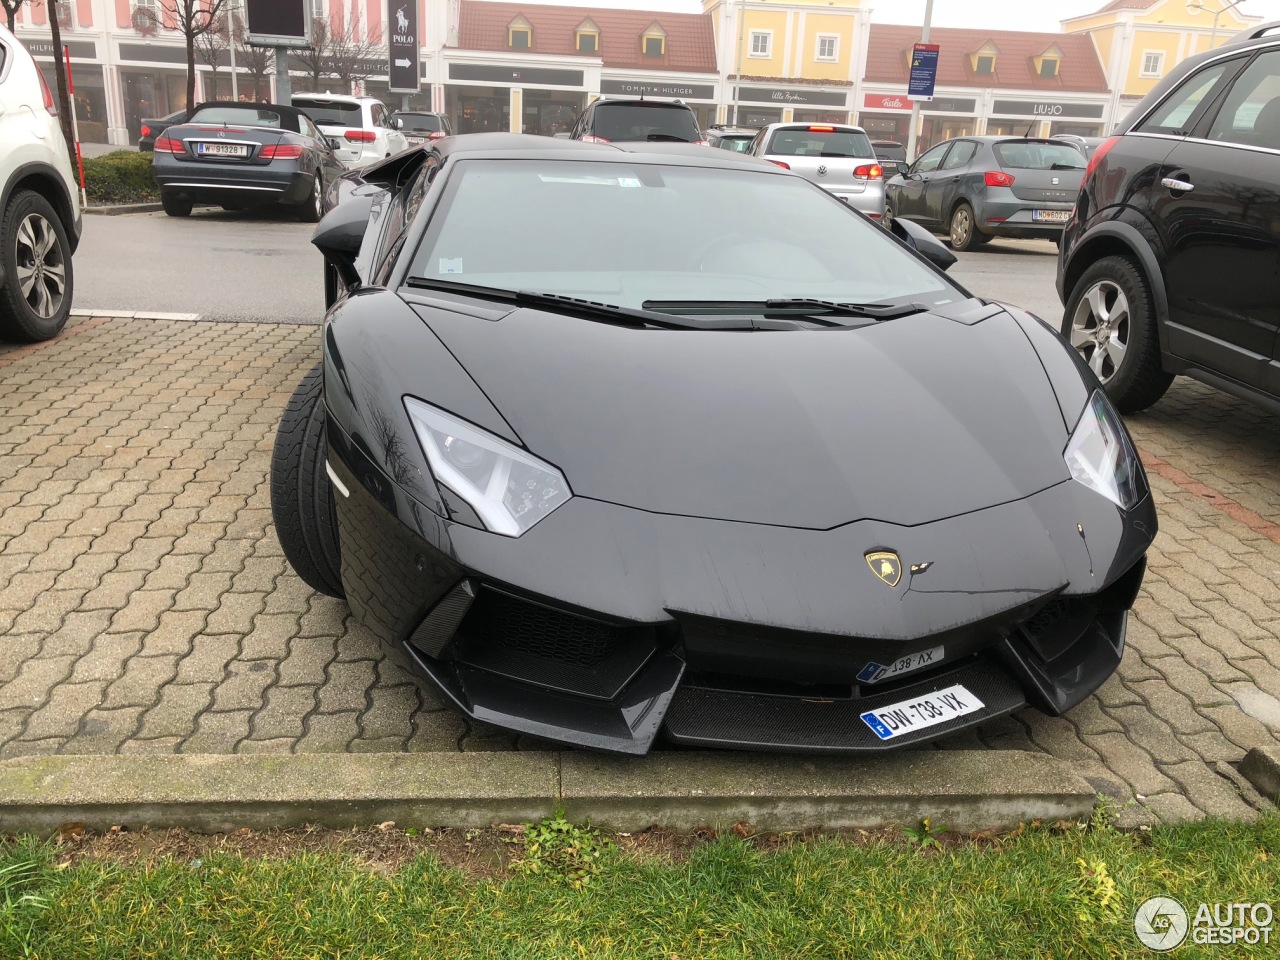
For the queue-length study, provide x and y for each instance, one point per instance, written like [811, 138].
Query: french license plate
[920, 713]
[875, 672]
[1050, 216]
[222, 150]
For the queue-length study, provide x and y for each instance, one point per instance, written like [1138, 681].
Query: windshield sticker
[592, 181]
[628, 182]
[450, 266]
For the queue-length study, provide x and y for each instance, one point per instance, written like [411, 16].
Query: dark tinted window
[1174, 114]
[427, 122]
[1029, 155]
[819, 142]
[244, 116]
[893, 152]
[332, 114]
[1251, 112]
[630, 121]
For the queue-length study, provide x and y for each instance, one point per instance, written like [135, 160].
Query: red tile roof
[1115, 5]
[690, 45]
[1079, 70]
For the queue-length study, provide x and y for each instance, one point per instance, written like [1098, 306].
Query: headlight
[1101, 457]
[509, 489]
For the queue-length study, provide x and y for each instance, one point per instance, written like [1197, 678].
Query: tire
[961, 229]
[311, 209]
[35, 300]
[1110, 306]
[174, 205]
[302, 504]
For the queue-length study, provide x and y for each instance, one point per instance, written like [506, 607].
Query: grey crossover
[977, 188]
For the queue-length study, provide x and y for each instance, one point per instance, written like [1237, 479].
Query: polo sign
[403, 73]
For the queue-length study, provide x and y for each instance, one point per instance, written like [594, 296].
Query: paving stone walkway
[145, 604]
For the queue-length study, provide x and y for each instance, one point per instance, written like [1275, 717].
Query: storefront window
[820, 116]
[758, 116]
[706, 114]
[90, 99]
[478, 109]
[150, 94]
[1076, 128]
[548, 112]
[885, 126]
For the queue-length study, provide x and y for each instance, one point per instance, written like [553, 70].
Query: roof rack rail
[1258, 32]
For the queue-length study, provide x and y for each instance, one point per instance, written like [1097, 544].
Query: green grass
[1044, 893]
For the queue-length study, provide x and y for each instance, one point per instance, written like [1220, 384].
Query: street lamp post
[1213, 34]
[915, 104]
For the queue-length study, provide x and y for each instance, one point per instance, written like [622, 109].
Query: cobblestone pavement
[145, 605]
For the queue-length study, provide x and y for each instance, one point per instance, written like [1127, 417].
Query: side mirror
[340, 232]
[903, 169]
[397, 123]
[922, 242]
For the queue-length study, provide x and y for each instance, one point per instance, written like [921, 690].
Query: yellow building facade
[789, 59]
[1139, 41]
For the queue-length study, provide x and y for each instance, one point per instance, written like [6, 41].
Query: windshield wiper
[667, 138]
[1065, 166]
[801, 308]
[588, 309]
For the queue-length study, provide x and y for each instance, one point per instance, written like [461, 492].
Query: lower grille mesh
[541, 632]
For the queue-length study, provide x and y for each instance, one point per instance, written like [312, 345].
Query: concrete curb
[966, 790]
[116, 209]
[1261, 767]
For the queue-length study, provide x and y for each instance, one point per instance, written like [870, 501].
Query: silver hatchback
[837, 157]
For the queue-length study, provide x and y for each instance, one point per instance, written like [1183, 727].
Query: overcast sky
[996, 14]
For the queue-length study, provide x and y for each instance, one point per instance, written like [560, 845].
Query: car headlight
[509, 489]
[1100, 456]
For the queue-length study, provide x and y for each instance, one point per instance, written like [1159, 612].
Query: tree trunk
[11, 16]
[60, 75]
[191, 70]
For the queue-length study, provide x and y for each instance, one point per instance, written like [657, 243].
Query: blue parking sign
[924, 71]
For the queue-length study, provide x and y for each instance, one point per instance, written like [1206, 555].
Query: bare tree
[257, 61]
[345, 53]
[211, 47]
[11, 8]
[191, 18]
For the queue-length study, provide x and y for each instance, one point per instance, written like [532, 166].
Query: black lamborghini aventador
[615, 442]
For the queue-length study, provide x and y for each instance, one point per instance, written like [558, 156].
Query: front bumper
[605, 626]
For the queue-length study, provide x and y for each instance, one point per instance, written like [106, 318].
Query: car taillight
[998, 178]
[146, 131]
[436, 135]
[49, 103]
[1098, 154]
[868, 171]
[588, 138]
[168, 145]
[823, 129]
[360, 136]
[701, 143]
[784, 166]
[281, 151]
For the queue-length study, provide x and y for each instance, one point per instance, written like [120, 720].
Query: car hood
[906, 421]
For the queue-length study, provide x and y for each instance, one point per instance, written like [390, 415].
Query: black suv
[420, 127]
[618, 121]
[1170, 263]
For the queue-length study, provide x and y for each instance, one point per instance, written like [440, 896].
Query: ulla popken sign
[776, 95]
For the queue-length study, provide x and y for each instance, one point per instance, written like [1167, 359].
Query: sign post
[281, 24]
[404, 71]
[932, 68]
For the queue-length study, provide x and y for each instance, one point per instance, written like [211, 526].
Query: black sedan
[153, 127]
[734, 484]
[240, 155]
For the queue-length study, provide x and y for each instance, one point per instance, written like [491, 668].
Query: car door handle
[1182, 186]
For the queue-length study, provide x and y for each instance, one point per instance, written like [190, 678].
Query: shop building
[989, 82]
[531, 68]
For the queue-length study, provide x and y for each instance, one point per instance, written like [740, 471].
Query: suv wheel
[174, 205]
[961, 230]
[1109, 321]
[36, 298]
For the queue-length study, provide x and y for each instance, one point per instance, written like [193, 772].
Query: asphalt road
[225, 266]
[261, 266]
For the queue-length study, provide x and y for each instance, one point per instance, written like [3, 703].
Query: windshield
[244, 116]
[1029, 155]
[627, 233]
[420, 121]
[630, 121]
[737, 144]
[331, 114]
[820, 141]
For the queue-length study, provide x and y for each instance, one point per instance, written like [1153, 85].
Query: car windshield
[630, 121]
[820, 141]
[1030, 155]
[243, 116]
[624, 233]
[332, 114]
[420, 121]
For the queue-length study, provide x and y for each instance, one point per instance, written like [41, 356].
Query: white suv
[359, 128]
[39, 208]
